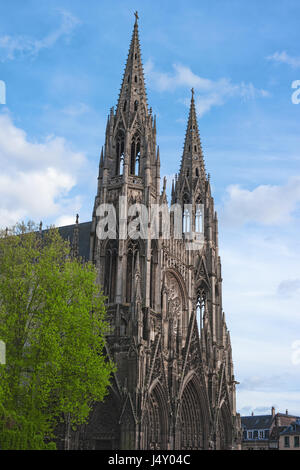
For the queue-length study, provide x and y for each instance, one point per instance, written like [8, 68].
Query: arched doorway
[193, 423]
[155, 423]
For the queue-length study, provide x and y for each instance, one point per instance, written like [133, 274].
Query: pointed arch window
[132, 252]
[135, 79]
[110, 271]
[136, 105]
[200, 309]
[199, 219]
[123, 327]
[153, 273]
[135, 156]
[197, 172]
[186, 221]
[120, 153]
[125, 106]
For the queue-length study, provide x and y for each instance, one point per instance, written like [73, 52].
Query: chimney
[273, 411]
[252, 414]
[286, 412]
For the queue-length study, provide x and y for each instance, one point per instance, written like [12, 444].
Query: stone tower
[174, 387]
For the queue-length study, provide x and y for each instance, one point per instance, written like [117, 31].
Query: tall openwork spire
[133, 90]
[192, 163]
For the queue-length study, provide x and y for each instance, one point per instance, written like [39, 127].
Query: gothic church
[174, 387]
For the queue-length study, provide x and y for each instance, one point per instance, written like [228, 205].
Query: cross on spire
[136, 16]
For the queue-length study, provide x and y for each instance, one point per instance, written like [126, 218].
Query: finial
[193, 91]
[6, 231]
[136, 16]
[77, 219]
[165, 184]
[41, 226]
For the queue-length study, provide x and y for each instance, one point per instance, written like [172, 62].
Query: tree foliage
[52, 319]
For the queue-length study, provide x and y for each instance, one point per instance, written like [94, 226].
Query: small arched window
[197, 172]
[135, 155]
[125, 106]
[136, 105]
[135, 79]
[200, 309]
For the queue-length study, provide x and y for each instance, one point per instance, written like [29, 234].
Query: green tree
[52, 319]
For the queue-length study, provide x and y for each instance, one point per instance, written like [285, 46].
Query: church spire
[133, 91]
[192, 163]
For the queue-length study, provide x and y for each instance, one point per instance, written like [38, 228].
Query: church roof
[67, 233]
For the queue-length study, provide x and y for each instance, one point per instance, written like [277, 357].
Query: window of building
[261, 434]
[286, 441]
[250, 435]
[198, 220]
[296, 441]
[255, 434]
[186, 221]
[135, 156]
[120, 153]
[266, 433]
[200, 310]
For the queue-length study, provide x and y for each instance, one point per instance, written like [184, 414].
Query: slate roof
[256, 422]
[293, 428]
[67, 231]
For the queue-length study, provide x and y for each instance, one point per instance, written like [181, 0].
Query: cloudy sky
[62, 63]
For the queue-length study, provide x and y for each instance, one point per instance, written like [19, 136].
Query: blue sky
[62, 64]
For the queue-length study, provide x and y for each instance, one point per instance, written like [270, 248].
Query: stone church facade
[174, 387]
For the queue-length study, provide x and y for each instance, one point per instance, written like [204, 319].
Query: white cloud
[289, 287]
[12, 47]
[284, 58]
[35, 177]
[266, 204]
[210, 92]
